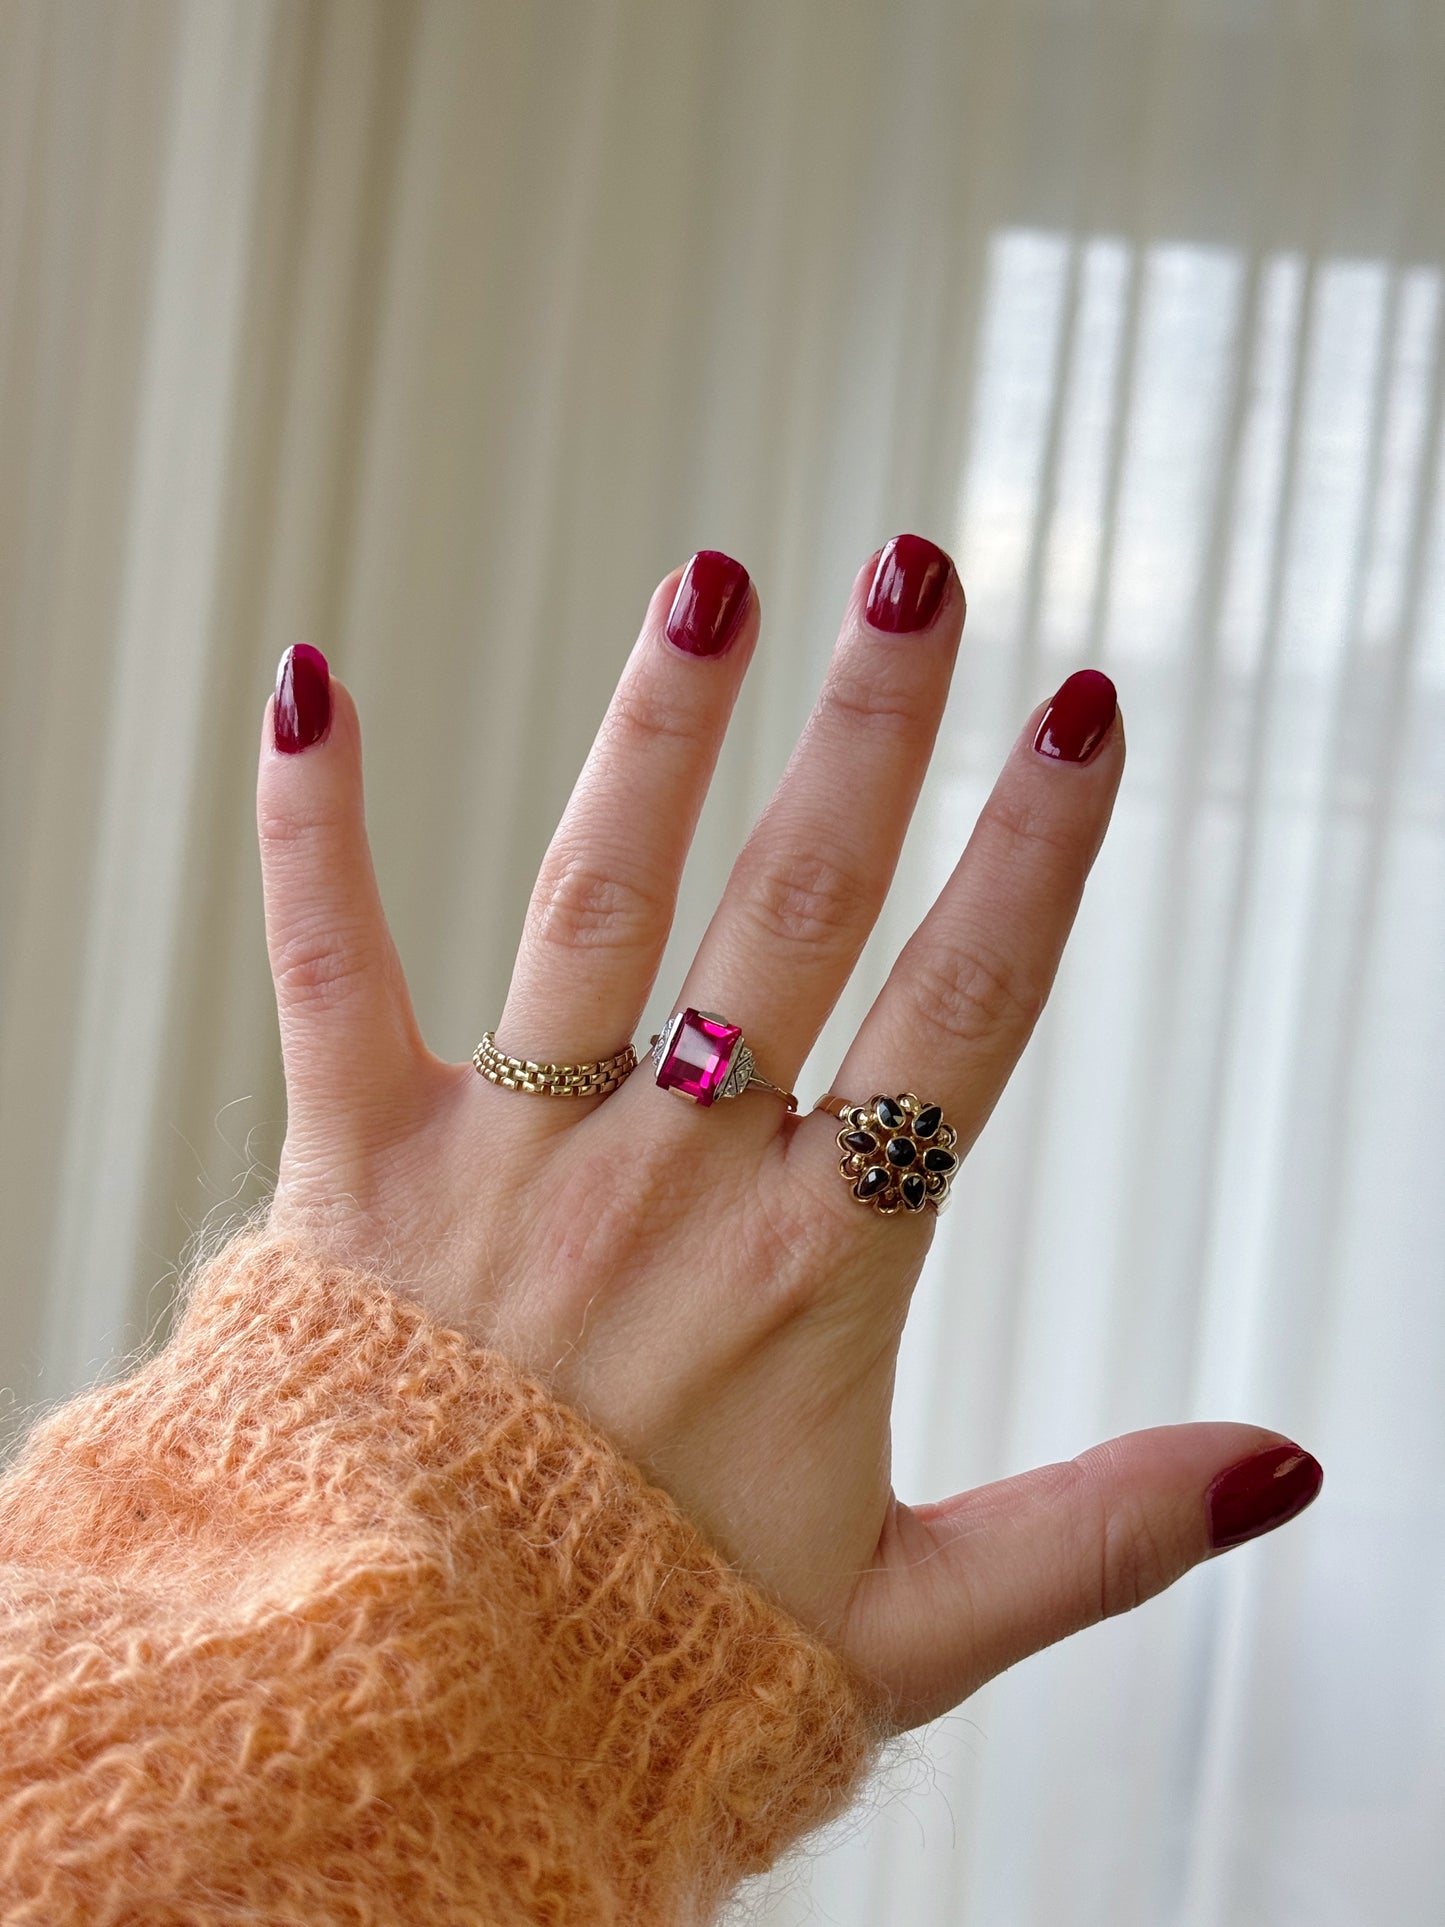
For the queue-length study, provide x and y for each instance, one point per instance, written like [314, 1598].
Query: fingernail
[1078, 719]
[1260, 1493]
[908, 585]
[709, 604]
[303, 698]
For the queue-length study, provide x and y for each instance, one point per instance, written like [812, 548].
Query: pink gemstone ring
[702, 1057]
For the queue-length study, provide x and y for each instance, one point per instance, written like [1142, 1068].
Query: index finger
[962, 1000]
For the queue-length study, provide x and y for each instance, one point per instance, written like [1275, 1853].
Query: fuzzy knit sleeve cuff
[327, 1614]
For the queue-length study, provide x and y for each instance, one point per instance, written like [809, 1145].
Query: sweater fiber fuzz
[326, 1614]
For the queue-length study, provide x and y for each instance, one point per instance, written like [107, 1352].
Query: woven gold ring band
[898, 1153]
[552, 1080]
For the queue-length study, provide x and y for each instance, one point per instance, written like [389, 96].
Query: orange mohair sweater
[327, 1614]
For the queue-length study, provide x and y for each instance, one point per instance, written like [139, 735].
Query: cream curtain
[435, 333]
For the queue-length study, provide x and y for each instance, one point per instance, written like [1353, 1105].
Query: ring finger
[604, 899]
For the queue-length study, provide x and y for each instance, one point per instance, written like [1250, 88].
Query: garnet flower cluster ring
[898, 1153]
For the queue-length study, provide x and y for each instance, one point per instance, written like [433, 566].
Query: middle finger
[809, 883]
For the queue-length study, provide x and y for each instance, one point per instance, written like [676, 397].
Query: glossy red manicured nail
[1078, 719]
[303, 698]
[709, 604]
[1260, 1493]
[908, 585]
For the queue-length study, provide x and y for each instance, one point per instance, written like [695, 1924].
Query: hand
[700, 1282]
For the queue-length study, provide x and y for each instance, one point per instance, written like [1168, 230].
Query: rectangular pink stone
[699, 1057]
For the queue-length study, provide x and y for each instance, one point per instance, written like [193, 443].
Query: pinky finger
[348, 1031]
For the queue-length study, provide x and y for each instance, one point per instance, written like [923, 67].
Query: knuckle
[600, 1236]
[797, 1255]
[641, 717]
[972, 993]
[293, 828]
[786, 1261]
[581, 905]
[817, 1232]
[1027, 825]
[802, 896]
[1134, 1564]
[794, 1257]
[316, 965]
[870, 695]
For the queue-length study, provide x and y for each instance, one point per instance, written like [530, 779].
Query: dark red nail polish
[908, 585]
[1260, 1493]
[709, 604]
[1078, 719]
[303, 698]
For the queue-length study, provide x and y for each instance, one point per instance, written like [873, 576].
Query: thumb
[349, 1037]
[965, 1588]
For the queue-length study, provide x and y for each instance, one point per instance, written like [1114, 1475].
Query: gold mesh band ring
[552, 1080]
